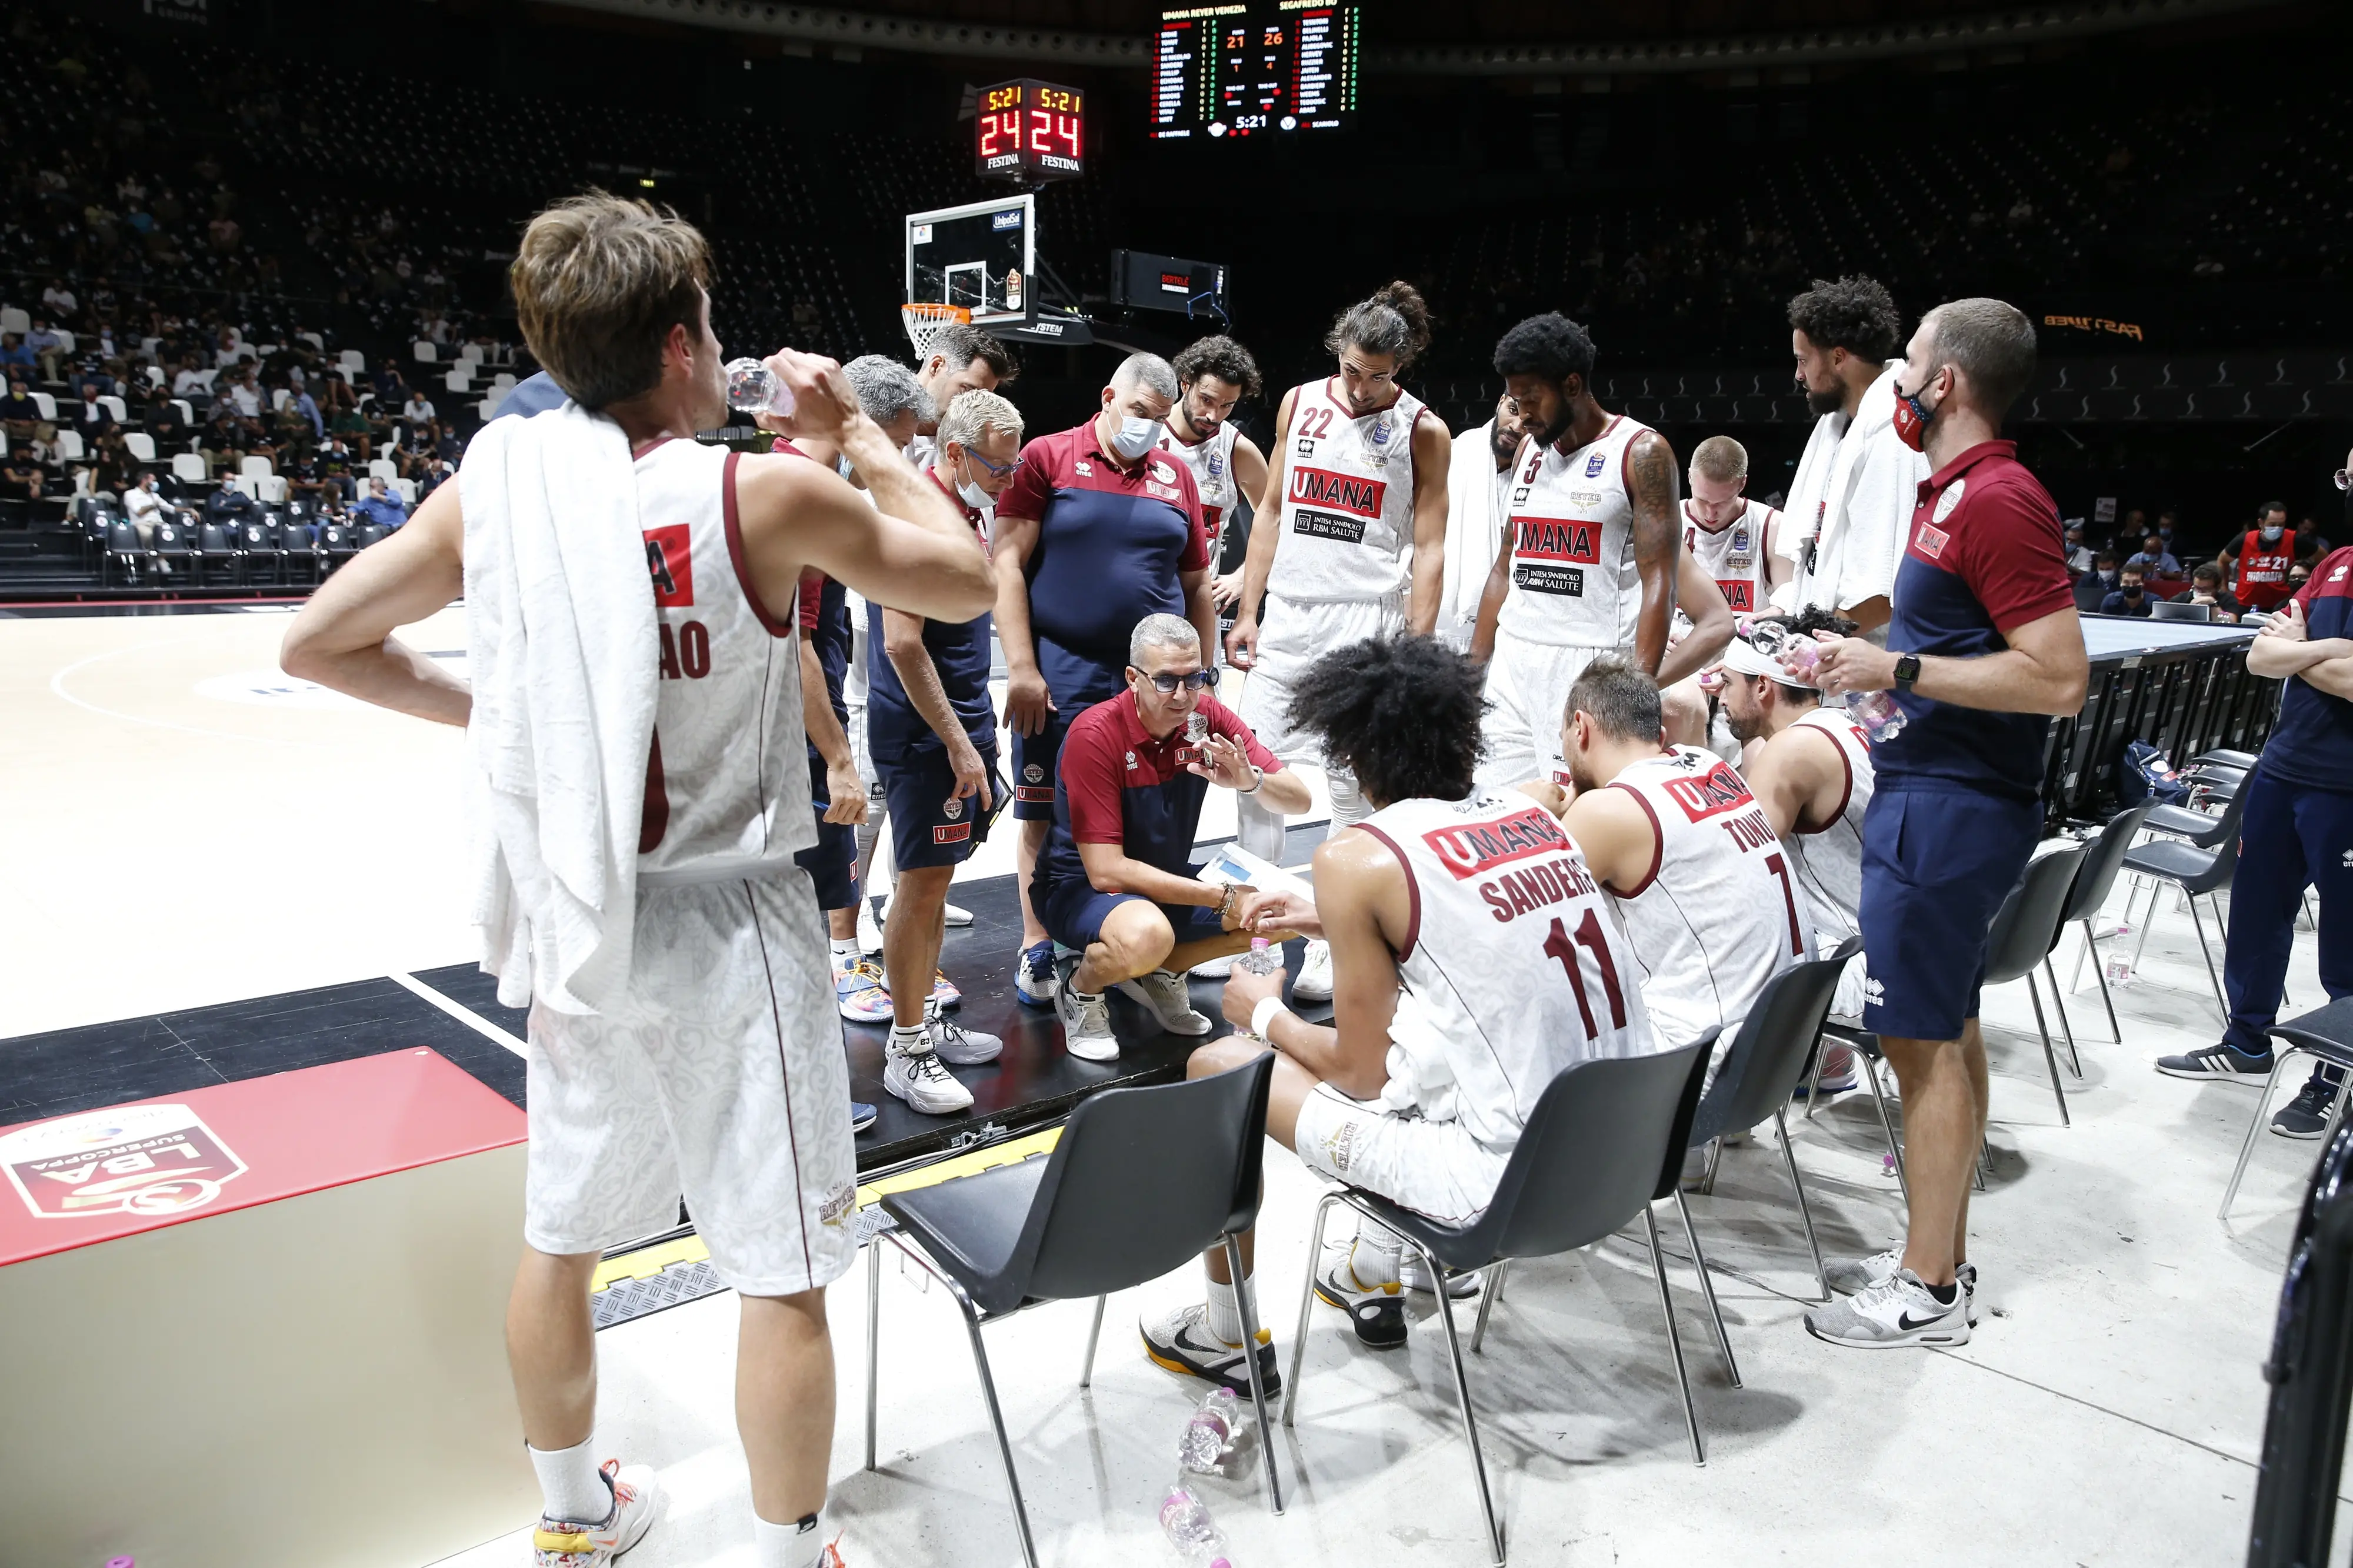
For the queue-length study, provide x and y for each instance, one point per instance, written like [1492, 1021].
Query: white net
[925, 321]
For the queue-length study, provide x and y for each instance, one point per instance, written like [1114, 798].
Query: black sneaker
[2216, 1061]
[2306, 1116]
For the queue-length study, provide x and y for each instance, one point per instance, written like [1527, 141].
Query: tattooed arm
[1654, 485]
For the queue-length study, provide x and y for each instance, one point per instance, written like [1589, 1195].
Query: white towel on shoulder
[563, 651]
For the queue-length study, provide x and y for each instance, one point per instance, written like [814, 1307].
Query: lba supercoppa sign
[152, 1160]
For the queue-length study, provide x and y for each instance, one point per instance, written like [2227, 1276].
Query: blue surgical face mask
[1135, 437]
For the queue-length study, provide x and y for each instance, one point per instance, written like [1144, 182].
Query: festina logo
[1362, 497]
[1557, 538]
[1469, 851]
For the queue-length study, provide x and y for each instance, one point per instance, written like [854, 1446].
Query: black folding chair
[335, 546]
[2326, 1034]
[1141, 1180]
[257, 550]
[217, 552]
[1769, 1057]
[171, 549]
[1605, 1142]
[123, 549]
[296, 547]
[2198, 871]
[2095, 878]
[2021, 937]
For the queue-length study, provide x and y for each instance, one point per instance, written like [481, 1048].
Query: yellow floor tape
[647, 1262]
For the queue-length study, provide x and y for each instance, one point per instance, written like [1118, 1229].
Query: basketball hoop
[925, 321]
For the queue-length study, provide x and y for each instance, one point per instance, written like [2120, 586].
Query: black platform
[1034, 1083]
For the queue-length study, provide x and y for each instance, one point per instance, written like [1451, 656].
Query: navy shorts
[832, 861]
[930, 824]
[1074, 911]
[1034, 761]
[1936, 865]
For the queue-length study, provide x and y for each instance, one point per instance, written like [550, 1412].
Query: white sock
[1374, 1259]
[575, 1493]
[846, 951]
[1225, 1319]
[907, 1041]
[800, 1546]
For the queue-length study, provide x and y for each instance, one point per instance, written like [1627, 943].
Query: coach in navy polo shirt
[1115, 879]
[1097, 531]
[1984, 645]
[2297, 833]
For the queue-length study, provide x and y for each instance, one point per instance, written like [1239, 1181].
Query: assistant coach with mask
[1984, 645]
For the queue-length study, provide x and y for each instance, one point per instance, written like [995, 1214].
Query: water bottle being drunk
[753, 389]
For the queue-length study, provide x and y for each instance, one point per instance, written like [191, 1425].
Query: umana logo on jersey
[1558, 539]
[1473, 850]
[1719, 789]
[1318, 486]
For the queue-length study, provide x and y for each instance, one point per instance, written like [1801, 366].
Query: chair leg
[1250, 1358]
[1675, 1339]
[1804, 1210]
[2059, 1003]
[873, 1336]
[997, 1419]
[1895, 1150]
[2140, 937]
[1814, 1089]
[1462, 1394]
[1094, 1332]
[1307, 1303]
[1707, 1289]
[1487, 1304]
[2049, 1056]
[2208, 954]
[2262, 1106]
[1715, 1158]
[2100, 969]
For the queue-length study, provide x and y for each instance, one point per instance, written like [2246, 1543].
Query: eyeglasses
[994, 468]
[2344, 479]
[1167, 685]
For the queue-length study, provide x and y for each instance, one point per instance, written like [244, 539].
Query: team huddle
[1582, 803]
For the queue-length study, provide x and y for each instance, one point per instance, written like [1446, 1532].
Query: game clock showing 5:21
[1031, 131]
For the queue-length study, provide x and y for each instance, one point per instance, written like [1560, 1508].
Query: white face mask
[970, 490]
[1136, 436]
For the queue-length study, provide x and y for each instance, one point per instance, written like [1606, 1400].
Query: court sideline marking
[460, 1011]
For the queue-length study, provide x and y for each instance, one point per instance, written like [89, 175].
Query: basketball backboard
[983, 257]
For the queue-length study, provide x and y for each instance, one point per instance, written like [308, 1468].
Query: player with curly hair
[1214, 374]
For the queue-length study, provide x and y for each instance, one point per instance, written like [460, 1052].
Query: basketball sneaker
[1851, 1275]
[1034, 979]
[1377, 1312]
[957, 915]
[1086, 1025]
[944, 991]
[1182, 1342]
[2306, 1116]
[1895, 1312]
[2219, 1060]
[1315, 982]
[863, 998]
[958, 1046]
[1169, 1001]
[1214, 968]
[1414, 1276]
[578, 1544]
[862, 1116]
[924, 1081]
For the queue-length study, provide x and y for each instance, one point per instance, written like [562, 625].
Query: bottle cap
[1258, 944]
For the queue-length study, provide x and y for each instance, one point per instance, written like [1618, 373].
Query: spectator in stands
[305, 405]
[1850, 503]
[224, 441]
[2079, 555]
[418, 409]
[2166, 522]
[303, 479]
[2298, 575]
[20, 416]
[47, 349]
[387, 382]
[2153, 558]
[380, 505]
[2129, 599]
[92, 418]
[2310, 545]
[144, 507]
[59, 301]
[23, 478]
[15, 357]
[351, 426]
[245, 394]
[161, 419]
[335, 466]
[189, 382]
[437, 471]
[2206, 588]
[229, 507]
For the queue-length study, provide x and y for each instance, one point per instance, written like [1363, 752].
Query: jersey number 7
[1559, 945]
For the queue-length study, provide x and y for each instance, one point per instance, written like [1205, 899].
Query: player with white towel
[1352, 545]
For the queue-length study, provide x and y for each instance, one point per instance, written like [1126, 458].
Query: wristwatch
[1908, 669]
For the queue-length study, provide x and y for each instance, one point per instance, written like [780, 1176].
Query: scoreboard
[1030, 131]
[1257, 69]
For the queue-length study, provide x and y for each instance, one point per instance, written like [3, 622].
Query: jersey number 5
[1559, 945]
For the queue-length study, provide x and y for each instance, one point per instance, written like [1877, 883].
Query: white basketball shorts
[720, 1078]
[1434, 1168]
[1296, 634]
[1527, 691]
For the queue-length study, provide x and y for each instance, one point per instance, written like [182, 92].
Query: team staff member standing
[1098, 529]
[932, 730]
[2298, 833]
[2257, 562]
[1984, 643]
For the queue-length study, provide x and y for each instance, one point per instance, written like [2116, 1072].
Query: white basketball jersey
[1573, 579]
[1212, 462]
[1515, 968]
[1347, 499]
[1829, 857]
[727, 789]
[1717, 917]
[1734, 553]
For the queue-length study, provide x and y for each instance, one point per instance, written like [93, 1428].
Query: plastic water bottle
[1188, 1527]
[1879, 714]
[1210, 1432]
[2120, 969]
[751, 390]
[1262, 959]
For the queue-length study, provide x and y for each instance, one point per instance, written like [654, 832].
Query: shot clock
[1031, 131]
